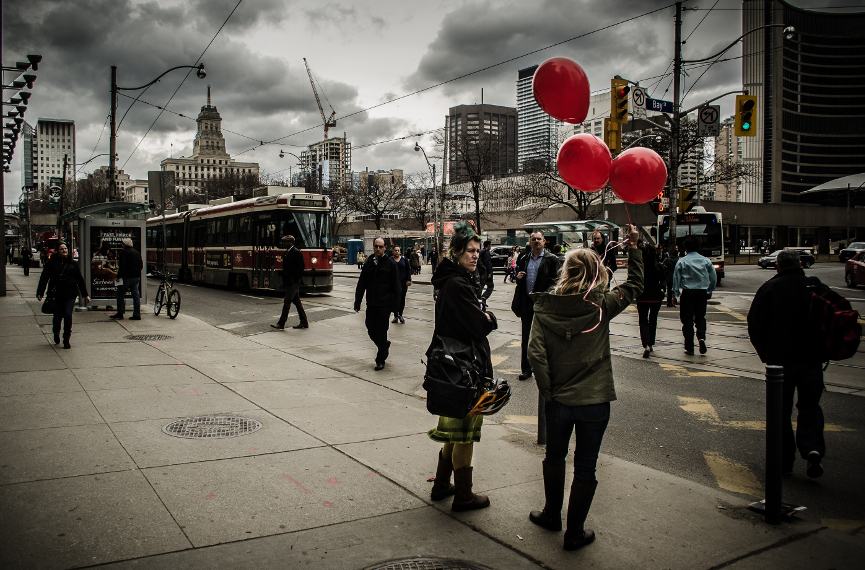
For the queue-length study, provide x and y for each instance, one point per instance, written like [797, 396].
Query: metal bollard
[774, 442]
[542, 420]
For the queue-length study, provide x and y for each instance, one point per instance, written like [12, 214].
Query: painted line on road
[732, 476]
[232, 326]
[252, 297]
[702, 410]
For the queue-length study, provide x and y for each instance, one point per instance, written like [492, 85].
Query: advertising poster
[106, 244]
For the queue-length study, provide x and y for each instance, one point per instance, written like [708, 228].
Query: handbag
[49, 304]
[453, 378]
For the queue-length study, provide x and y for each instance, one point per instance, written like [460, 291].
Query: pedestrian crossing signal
[746, 116]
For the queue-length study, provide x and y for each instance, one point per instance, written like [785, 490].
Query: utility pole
[112, 151]
[62, 195]
[675, 126]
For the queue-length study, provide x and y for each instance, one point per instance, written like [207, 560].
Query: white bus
[707, 227]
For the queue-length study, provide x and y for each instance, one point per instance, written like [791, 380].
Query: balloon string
[628, 213]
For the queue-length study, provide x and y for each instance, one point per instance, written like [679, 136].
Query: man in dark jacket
[780, 331]
[292, 274]
[403, 268]
[129, 266]
[537, 270]
[485, 270]
[379, 280]
[599, 244]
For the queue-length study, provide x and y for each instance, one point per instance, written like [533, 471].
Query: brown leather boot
[442, 488]
[464, 499]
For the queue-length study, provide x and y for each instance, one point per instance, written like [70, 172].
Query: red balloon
[561, 88]
[584, 162]
[638, 175]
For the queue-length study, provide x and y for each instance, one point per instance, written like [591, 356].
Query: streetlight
[436, 222]
[112, 160]
[282, 154]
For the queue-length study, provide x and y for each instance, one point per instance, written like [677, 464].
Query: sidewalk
[336, 477]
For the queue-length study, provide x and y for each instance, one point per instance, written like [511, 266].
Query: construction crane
[328, 121]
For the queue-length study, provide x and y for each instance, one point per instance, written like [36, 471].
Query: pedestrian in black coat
[379, 281]
[405, 271]
[292, 275]
[129, 266]
[649, 301]
[780, 331]
[536, 271]
[485, 270]
[63, 280]
[599, 244]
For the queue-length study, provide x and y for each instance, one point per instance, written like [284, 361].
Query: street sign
[638, 100]
[659, 105]
[709, 121]
[55, 181]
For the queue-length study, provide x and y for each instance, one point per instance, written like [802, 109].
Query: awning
[854, 182]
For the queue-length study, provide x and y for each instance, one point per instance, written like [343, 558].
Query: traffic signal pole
[675, 126]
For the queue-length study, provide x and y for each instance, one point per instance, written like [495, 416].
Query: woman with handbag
[569, 349]
[459, 316]
[64, 283]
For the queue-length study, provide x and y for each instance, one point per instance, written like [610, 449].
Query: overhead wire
[93, 150]
[188, 72]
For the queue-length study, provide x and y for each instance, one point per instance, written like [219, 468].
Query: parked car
[499, 255]
[806, 257]
[851, 250]
[854, 270]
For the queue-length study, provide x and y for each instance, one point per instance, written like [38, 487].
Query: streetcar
[707, 227]
[238, 244]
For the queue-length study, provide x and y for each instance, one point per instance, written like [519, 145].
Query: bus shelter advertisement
[106, 243]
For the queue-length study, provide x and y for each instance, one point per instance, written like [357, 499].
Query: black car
[851, 250]
[805, 257]
[499, 255]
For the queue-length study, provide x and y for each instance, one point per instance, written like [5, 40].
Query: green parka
[574, 367]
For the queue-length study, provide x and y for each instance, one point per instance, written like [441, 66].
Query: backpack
[835, 323]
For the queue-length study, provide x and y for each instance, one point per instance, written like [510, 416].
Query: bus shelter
[97, 230]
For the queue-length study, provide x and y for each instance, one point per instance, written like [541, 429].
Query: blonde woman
[569, 349]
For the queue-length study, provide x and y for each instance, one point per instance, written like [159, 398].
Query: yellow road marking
[678, 371]
[515, 344]
[845, 525]
[523, 420]
[704, 411]
[732, 476]
[736, 315]
[498, 358]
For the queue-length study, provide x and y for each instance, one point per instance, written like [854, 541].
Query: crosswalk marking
[732, 476]
[704, 411]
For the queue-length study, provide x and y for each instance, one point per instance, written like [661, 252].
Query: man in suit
[292, 273]
[537, 270]
[379, 281]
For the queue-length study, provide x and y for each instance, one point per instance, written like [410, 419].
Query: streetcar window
[244, 231]
[314, 228]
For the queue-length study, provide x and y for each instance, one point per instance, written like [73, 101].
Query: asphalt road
[706, 428]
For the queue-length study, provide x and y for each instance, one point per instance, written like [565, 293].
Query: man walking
[485, 270]
[129, 266]
[379, 280]
[608, 256]
[537, 270]
[693, 282]
[782, 335]
[404, 270]
[292, 273]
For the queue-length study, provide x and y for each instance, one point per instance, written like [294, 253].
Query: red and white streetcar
[237, 244]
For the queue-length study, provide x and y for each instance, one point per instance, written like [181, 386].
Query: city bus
[238, 244]
[706, 226]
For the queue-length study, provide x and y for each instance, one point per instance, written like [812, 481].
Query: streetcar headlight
[314, 260]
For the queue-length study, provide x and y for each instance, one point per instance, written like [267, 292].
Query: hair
[289, 238]
[581, 271]
[488, 243]
[788, 259]
[690, 244]
[463, 234]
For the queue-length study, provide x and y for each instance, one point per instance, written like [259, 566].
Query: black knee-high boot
[554, 491]
[582, 493]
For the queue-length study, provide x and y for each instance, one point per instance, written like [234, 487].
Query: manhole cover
[211, 427]
[427, 564]
[149, 337]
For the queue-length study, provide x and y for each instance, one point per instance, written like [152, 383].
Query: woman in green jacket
[569, 349]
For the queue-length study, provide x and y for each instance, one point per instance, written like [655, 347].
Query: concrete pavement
[336, 476]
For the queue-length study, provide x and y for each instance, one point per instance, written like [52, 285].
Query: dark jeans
[377, 323]
[588, 423]
[292, 296]
[401, 306]
[807, 379]
[129, 284]
[692, 311]
[526, 318]
[63, 312]
[648, 312]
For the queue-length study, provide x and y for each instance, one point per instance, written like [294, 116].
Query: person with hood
[63, 280]
[459, 314]
[569, 350]
[379, 281]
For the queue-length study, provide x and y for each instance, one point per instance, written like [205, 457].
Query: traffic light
[612, 135]
[686, 199]
[619, 98]
[746, 116]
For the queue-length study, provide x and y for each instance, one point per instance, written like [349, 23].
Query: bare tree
[376, 198]
[240, 186]
[475, 154]
[339, 206]
[419, 201]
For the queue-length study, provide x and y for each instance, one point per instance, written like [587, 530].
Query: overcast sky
[363, 53]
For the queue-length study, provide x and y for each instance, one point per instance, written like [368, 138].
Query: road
[704, 426]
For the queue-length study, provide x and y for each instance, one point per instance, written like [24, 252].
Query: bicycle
[167, 296]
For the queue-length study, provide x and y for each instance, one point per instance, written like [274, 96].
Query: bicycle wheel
[173, 305]
[159, 300]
